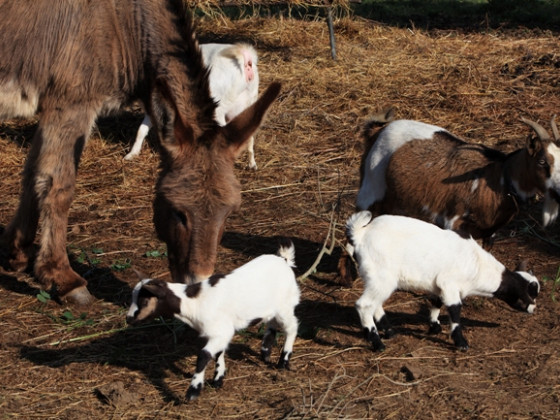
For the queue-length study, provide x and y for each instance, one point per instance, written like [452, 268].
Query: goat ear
[156, 288]
[533, 290]
[534, 145]
[521, 266]
[242, 127]
[140, 274]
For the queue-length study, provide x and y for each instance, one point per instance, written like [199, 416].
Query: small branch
[326, 249]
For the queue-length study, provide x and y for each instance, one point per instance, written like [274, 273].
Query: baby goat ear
[521, 266]
[533, 290]
[140, 274]
[157, 288]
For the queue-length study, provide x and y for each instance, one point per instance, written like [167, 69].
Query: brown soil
[68, 363]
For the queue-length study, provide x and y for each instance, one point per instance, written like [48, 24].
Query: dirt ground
[68, 363]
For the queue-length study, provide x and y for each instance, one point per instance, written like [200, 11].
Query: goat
[399, 252]
[461, 186]
[263, 290]
[234, 85]
[421, 170]
[105, 54]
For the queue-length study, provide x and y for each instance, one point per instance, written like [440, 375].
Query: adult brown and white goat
[423, 171]
[71, 61]
[263, 290]
[398, 252]
[234, 85]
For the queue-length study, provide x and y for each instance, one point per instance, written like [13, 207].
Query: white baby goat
[263, 290]
[234, 84]
[398, 252]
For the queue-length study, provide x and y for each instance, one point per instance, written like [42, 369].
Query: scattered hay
[308, 151]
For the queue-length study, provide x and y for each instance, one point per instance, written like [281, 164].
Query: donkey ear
[169, 118]
[242, 127]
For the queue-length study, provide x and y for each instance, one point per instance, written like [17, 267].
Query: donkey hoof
[79, 296]
[17, 261]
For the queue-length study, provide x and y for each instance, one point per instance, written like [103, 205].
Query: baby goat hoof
[265, 356]
[378, 346]
[218, 383]
[459, 341]
[193, 392]
[389, 333]
[283, 364]
[373, 337]
[435, 328]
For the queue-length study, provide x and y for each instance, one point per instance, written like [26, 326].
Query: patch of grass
[43, 296]
[120, 265]
[156, 253]
[464, 14]
[555, 284]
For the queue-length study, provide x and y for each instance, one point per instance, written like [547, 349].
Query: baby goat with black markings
[402, 253]
[263, 290]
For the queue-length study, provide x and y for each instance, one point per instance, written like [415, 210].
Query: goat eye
[541, 162]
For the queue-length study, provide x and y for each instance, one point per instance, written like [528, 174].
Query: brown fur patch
[193, 290]
[461, 182]
[214, 279]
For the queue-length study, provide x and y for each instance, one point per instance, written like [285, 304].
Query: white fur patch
[551, 206]
[531, 308]
[393, 136]
[474, 185]
[17, 102]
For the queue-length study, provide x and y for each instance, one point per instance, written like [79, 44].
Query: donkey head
[197, 187]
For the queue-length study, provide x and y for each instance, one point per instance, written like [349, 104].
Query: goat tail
[356, 226]
[287, 251]
[376, 122]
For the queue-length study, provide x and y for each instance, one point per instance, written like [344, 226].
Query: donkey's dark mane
[189, 54]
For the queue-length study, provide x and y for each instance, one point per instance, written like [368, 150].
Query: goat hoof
[435, 328]
[193, 393]
[389, 332]
[283, 364]
[79, 296]
[218, 383]
[265, 356]
[378, 346]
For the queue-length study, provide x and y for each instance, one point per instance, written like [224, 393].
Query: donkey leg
[63, 136]
[17, 239]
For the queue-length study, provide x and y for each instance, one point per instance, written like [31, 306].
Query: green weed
[156, 253]
[43, 296]
[555, 284]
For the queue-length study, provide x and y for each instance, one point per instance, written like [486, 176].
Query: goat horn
[539, 129]
[554, 128]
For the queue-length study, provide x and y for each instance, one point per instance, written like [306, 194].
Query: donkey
[70, 61]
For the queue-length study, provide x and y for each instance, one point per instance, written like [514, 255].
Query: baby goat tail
[356, 226]
[287, 251]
